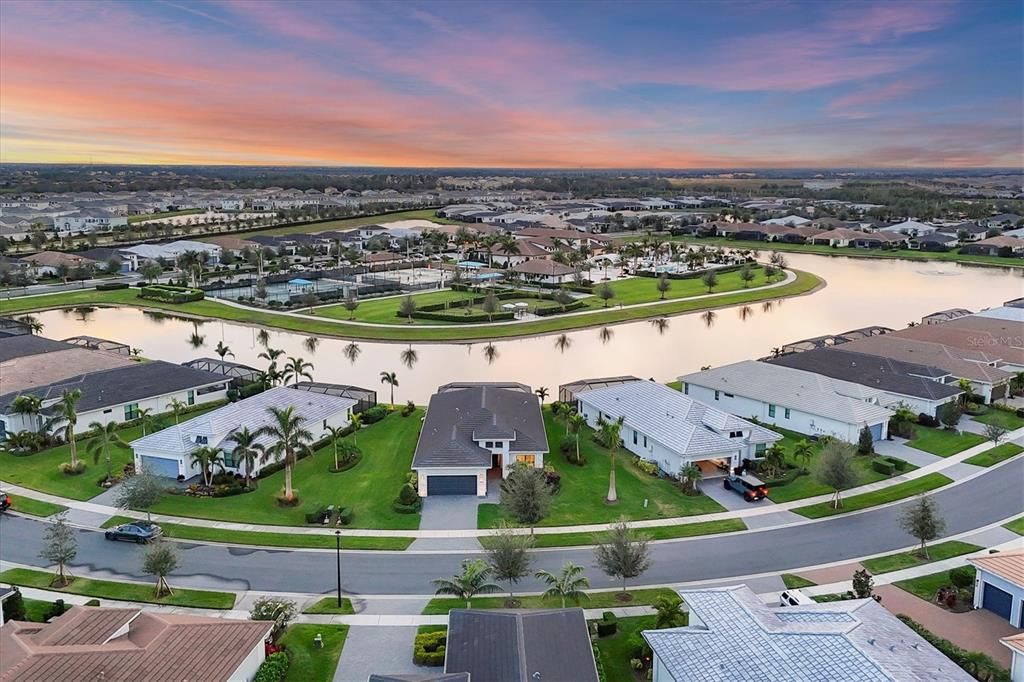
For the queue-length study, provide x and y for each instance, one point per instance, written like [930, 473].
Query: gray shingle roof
[460, 412]
[734, 636]
[22, 345]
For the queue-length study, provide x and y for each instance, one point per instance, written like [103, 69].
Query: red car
[5, 501]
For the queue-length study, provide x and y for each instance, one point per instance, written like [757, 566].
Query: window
[229, 460]
[729, 395]
[325, 425]
[489, 444]
[191, 398]
[634, 438]
[716, 395]
[202, 440]
[686, 388]
[760, 448]
[786, 413]
[735, 434]
[108, 410]
[645, 441]
[131, 411]
[526, 459]
[771, 410]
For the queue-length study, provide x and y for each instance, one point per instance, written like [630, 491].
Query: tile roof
[1006, 565]
[1015, 642]
[793, 388]
[999, 338]
[734, 636]
[31, 371]
[680, 423]
[459, 413]
[543, 266]
[961, 363]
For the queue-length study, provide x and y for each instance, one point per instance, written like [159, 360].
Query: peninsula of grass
[440, 606]
[926, 586]
[876, 497]
[26, 505]
[368, 488]
[942, 442]
[108, 589]
[898, 562]
[1017, 526]
[329, 605]
[307, 661]
[1008, 420]
[262, 539]
[795, 582]
[686, 530]
[995, 455]
[804, 283]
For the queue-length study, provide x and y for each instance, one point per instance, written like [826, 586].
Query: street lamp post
[337, 543]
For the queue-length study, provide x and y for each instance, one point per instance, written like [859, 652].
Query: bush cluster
[374, 414]
[696, 274]
[167, 293]
[273, 669]
[111, 286]
[409, 408]
[608, 625]
[429, 647]
[408, 500]
[883, 466]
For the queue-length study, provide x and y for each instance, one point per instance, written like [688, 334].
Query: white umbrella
[509, 306]
[522, 304]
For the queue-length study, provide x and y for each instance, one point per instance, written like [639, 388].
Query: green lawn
[995, 455]
[329, 605]
[26, 505]
[108, 589]
[36, 609]
[349, 223]
[1008, 420]
[686, 530]
[368, 488]
[897, 562]
[942, 442]
[1017, 526]
[804, 283]
[615, 651]
[876, 497]
[308, 663]
[595, 600]
[926, 586]
[581, 499]
[645, 289]
[795, 582]
[249, 537]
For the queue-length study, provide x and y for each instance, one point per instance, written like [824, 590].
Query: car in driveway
[137, 531]
[750, 487]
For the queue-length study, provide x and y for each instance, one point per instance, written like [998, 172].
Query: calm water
[860, 292]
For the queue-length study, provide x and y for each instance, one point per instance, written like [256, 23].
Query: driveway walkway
[899, 449]
[377, 649]
[732, 501]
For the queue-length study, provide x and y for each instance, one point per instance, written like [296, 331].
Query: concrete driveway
[732, 501]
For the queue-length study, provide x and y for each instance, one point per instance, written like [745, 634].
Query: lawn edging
[903, 560]
[875, 498]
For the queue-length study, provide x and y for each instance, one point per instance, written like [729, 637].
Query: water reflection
[606, 334]
[745, 312]
[709, 318]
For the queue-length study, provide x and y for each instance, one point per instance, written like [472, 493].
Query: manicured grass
[595, 600]
[897, 562]
[308, 663]
[424, 629]
[1017, 526]
[686, 530]
[795, 582]
[581, 499]
[330, 605]
[1008, 420]
[942, 442]
[615, 651]
[36, 609]
[926, 586]
[368, 488]
[349, 223]
[247, 537]
[995, 455]
[876, 497]
[39, 471]
[804, 283]
[26, 505]
[645, 289]
[108, 589]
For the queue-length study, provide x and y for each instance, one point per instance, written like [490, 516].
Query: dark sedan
[137, 531]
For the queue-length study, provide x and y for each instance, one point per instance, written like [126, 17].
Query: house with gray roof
[474, 430]
[733, 636]
[805, 402]
[167, 452]
[661, 425]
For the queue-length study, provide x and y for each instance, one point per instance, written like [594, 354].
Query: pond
[860, 292]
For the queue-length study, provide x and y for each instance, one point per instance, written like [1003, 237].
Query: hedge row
[502, 316]
[170, 294]
[429, 648]
[556, 309]
[111, 286]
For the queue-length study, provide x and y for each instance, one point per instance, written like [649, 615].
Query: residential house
[911, 228]
[838, 237]
[663, 426]
[93, 643]
[732, 635]
[1003, 220]
[936, 241]
[967, 232]
[29, 361]
[1002, 340]
[567, 392]
[167, 452]
[801, 401]
[172, 251]
[87, 220]
[1015, 644]
[789, 220]
[544, 271]
[126, 261]
[999, 584]
[49, 263]
[944, 315]
[473, 430]
[1010, 247]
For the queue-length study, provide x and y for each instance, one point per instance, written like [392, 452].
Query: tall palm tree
[206, 457]
[391, 379]
[247, 451]
[409, 356]
[336, 434]
[803, 451]
[100, 445]
[568, 584]
[352, 351]
[355, 422]
[291, 439]
[176, 407]
[474, 579]
[223, 350]
[576, 422]
[297, 368]
[563, 342]
[611, 438]
[30, 407]
[146, 419]
[542, 393]
[67, 413]
[271, 355]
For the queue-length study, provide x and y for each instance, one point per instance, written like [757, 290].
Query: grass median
[995, 455]
[902, 560]
[876, 497]
[329, 605]
[926, 586]
[108, 589]
[594, 600]
[26, 505]
[262, 539]
[796, 582]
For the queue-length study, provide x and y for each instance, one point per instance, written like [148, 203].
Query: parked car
[5, 501]
[751, 488]
[794, 598]
[136, 531]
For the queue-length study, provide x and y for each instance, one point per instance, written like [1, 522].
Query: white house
[166, 452]
[171, 251]
[664, 426]
[912, 228]
[789, 221]
[801, 401]
[89, 220]
[1016, 645]
[999, 584]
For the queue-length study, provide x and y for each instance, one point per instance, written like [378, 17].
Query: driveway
[897, 448]
[377, 649]
[714, 489]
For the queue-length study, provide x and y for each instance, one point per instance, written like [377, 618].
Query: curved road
[990, 497]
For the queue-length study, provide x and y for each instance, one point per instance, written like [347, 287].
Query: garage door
[876, 432]
[451, 485]
[997, 601]
[160, 466]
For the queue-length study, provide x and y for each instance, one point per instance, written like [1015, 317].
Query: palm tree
[563, 342]
[775, 458]
[206, 457]
[222, 350]
[297, 368]
[247, 451]
[271, 355]
[336, 434]
[176, 407]
[803, 451]
[355, 422]
[542, 393]
[311, 343]
[68, 414]
[691, 475]
[352, 351]
[391, 379]
[576, 422]
[99, 445]
[32, 322]
[146, 419]
[29, 406]
[568, 584]
[667, 613]
[473, 580]
[968, 391]
[611, 439]
[409, 356]
[290, 440]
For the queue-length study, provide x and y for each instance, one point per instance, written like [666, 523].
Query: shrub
[56, 608]
[897, 463]
[552, 478]
[167, 293]
[14, 607]
[648, 467]
[567, 448]
[92, 602]
[111, 286]
[229, 489]
[283, 501]
[407, 495]
[608, 625]
[317, 516]
[637, 646]
[374, 414]
[927, 420]
[273, 669]
[66, 468]
[429, 648]
[249, 390]
[962, 577]
[345, 516]
[883, 466]
[400, 508]
[409, 408]
[274, 609]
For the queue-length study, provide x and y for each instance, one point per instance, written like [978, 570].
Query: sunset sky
[513, 84]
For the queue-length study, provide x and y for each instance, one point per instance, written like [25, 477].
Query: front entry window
[526, 459]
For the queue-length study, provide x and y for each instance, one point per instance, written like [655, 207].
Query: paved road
[992, 496]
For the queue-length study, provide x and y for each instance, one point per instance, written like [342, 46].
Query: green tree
[67, 414]
[921, 519]
[525, 495]
[29, 407]
[542, 393]
[146, 419]
[995, 433]
[667, 612]
[610, 436]
[247, 451]
[803, 452]
[103, 442]
[474, 579]
[863, 584]
[836, 470]
[570, 583]
[223, 350]
[160, 560]
[391, 379]
[407, 308]
[351, 305]
[206, 458]
[143, 491]
[576, 422]
[690, 477]
[605, 293]
[710, 280]
[490, 305]
[746, 275]
[508, 554]
[624, 554]
[297, 368]
[290, 439]
[865, 441]
[664, 284]
[60, 547]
